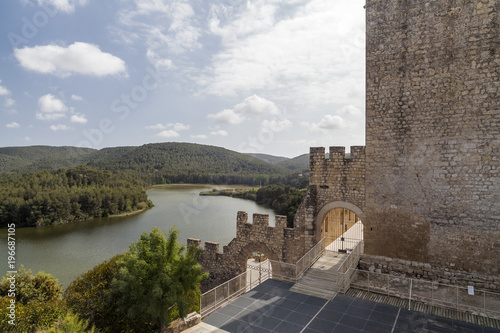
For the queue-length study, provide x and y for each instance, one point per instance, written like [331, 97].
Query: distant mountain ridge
[38, 158]
[169, 162]
[297, 163]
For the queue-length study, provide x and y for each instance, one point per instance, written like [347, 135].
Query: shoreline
[135, 212]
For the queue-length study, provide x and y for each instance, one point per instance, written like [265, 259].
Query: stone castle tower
[433, 134]
[427, 184]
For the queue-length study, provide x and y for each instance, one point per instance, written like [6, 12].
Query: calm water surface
[66, 251]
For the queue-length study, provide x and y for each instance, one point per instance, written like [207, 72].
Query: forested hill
[157, 163]
[299, 163]
[190, 163]
[38, 158]
[54, 197]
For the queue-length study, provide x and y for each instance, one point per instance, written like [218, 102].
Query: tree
[41, 287]
[38, 301]
[157, 279]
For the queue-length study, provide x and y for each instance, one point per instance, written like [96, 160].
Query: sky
[263, 76]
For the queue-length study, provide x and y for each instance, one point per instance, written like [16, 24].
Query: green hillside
[298, 163]
[268, 158]
[189, 163]
[158, 163]
[38, 158]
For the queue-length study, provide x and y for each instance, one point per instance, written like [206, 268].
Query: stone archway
[250, 248]
[331, 206]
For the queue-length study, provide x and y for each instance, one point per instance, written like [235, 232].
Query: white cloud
[67, 6]
[9, 102]
[12, 111]
[177, 127]
[312, 49]
[256, 105]
[165, 27]
[76, 98]
[156, 127]
[199, 136]
[180, 126]
[350, 110]
[12, 125]
[49, 103]
[49, 116]
[227, 116]
[161, 64]
[4, 91]
[219, 133]
[251, 106]
[328, 123]
[51, 108]
[305, 143]
[59, 127]
[168, 134]
[78, 119]
[258, 17]
[277, 125]
[78, 58]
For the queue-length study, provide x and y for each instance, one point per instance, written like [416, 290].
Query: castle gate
[336, 193]
[341, 225]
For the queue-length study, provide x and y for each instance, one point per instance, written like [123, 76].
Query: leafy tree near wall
[91, 297]
[157, 281]
[38, 301]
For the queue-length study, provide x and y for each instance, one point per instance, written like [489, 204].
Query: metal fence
[278, 270]
[479, 302]
[345, 270]
[303, 264]
[348, 240]
[214, 299]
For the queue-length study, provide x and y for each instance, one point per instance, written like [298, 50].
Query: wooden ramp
[321, 279]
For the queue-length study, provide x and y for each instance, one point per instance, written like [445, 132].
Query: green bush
[70, 323]
[37, 301]
[157, 279]
[30, 317]
[41, 287]
[91, 297]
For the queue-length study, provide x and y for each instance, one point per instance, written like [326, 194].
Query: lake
[68, 250]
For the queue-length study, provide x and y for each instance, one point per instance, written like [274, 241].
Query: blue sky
[263, 76]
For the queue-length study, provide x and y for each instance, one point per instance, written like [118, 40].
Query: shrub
[70, 323]
[30, 317]
[157, 281]
[91, 297]
[42, 287]
[38, 301]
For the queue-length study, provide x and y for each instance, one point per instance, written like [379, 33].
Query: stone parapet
[421, 270]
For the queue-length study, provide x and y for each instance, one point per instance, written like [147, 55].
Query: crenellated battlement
[260, 220]
[336, 153]
[338, 177]
[278, 243]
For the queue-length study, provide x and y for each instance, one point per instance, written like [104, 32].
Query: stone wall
[277, 243]
[334, 182]
[421, 270]
[433, 134]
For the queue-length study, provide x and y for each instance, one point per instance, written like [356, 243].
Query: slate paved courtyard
[271, 307]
